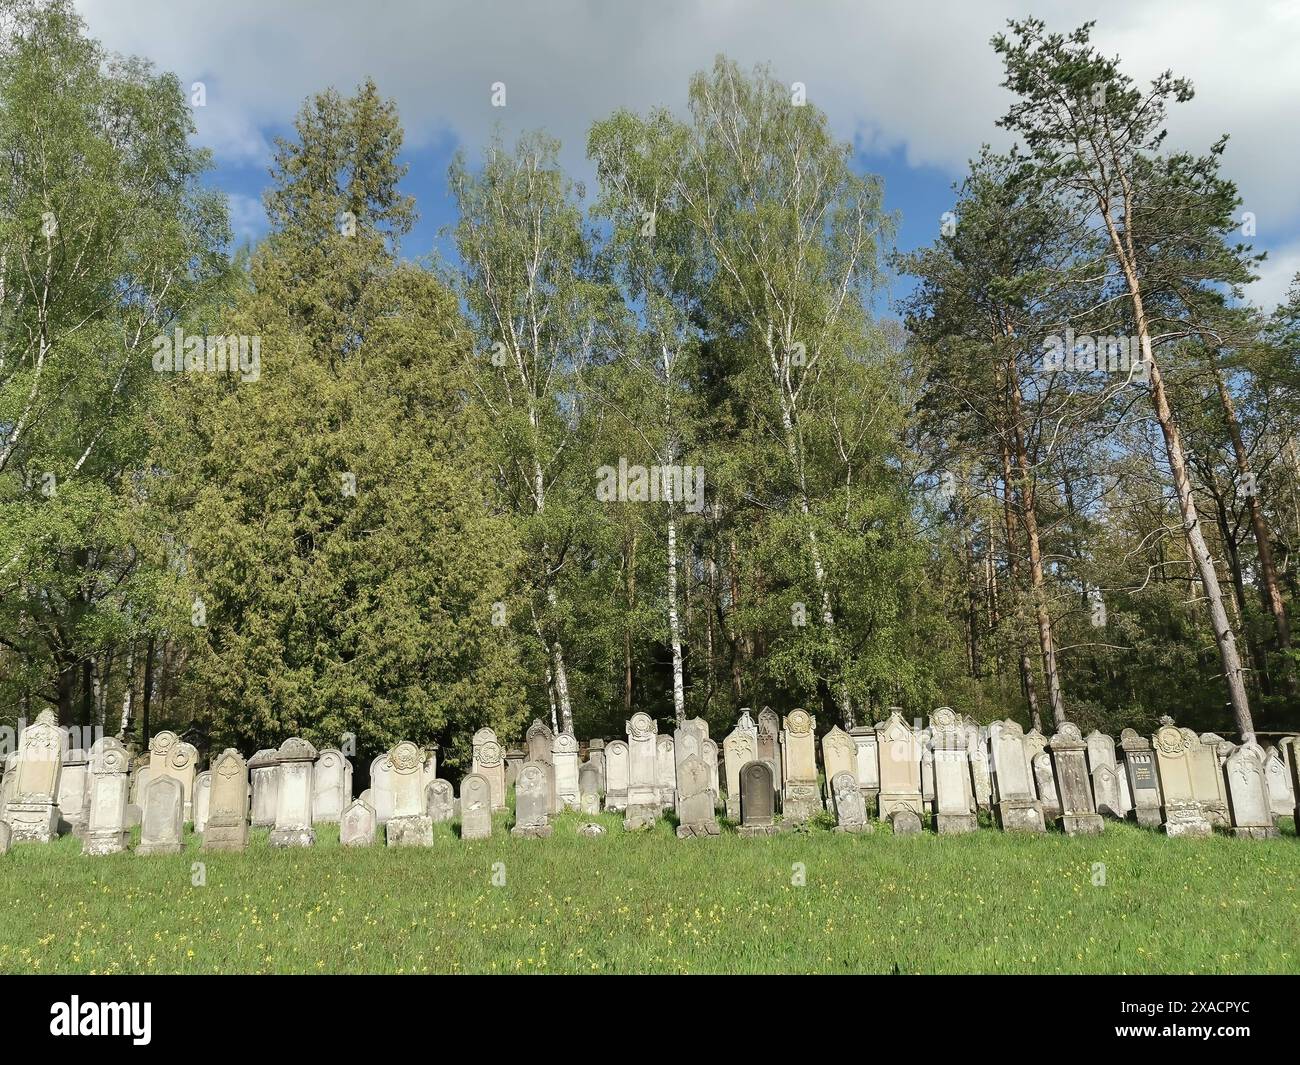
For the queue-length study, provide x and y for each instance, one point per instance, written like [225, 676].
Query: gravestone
[409, 825]
[1016, 806]
[757, 799]
[515, 757]
[616, 779]
[161, 824]
[10, 782]
[202, 800]
[589, 788]
[106, 829]
[665, 771]
[331, 780]
[769, 744]
[264, 769]
[739, 748]
[475, 807]
[981, 777]
[688, 741]
[1252, 815]
[440, 801]
[839, 755]
[564, 756]
[850, 807]
[695, 801]
[74, 782]
[954, 796]
[1069, 754]
[642, 809]
[490, 763]
[596, 756]
[540, 741]
[1125, 795]
[1143, 778]
[1209, 755]
[900, 774]
[430, 763]
[867, 764]
[227, 824]
[171, 756]
[32, 812]
[800, 798]
[357, 824]
[927, 769]
[1281, 801]
[297, 759]
[1293, 767]
[1045, 785]
[710, 757]
[532, 803]
[6, 837]
[1182, 811]
[381, 788]
[1104, 771]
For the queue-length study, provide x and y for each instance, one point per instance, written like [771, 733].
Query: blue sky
[915, 86]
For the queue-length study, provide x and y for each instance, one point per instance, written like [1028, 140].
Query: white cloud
[918, 76]
[1276, 273]
[248, 220]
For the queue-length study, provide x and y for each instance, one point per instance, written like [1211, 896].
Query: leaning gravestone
[867, 762]
[32, 812]
[381, 787]
[73, 784]
[293, 827]
[490, 763]
[564, 756]
[1252, 816]
[839, 755]
[1209, 754]
[440, 801]
[642, 808]
[596, 756]
[900, 774]
[769, 744]
[264, 769]
[739, 748]
[616, 768]
[475, 807]
[109, 784]
[709, 754]
[409, 826]
[688, 740]
[1069, 753]
[161, 825]
[757, 800]
[850, 807]
[1143, 778]
[665, 771]
[202, 800]
[589, 788]
[1016, 806]
[1281, 801]
[1104, 771]
[1045, 785]
[695, 807]
[532, 803]
[540, 741]
[981, 779]
[171, 756]
[330, 779]
[1183, 813]
[357, 825]
[954, 799]
[800, 798]
[227, 824]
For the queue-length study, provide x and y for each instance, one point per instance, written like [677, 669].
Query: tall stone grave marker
[109, 784]
[900, 774]
[293, 828]
[739, 748]
[32, 811]
[490, 763]
[1104, 771]
[757, 799]
[867, 765]
[642, 807]
[381, 787]
[1252, 815]
[264, 768]
[74, 780]
[1281, 801]
[800, 797]
[1143, 778]
[769, 743]
[695, 803]
[410, 825]
[839, 755]
[1182, 811]
[532, 803]
[564, 756]
[954, 799]
[849, 805]
[475, 807]
[665, 771]
[440, 801]
[589, 788]
[1016, 805]
[161, 825]
[227, 825]
[332, 781]
[202, 800]
[616, 775]
[1069, 753]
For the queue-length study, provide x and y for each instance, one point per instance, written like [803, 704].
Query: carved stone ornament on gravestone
[1182, 811]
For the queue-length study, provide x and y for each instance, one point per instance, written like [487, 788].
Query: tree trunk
[1013, 565]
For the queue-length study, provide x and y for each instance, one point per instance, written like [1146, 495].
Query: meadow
[814, 901]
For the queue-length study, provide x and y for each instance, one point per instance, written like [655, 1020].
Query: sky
[913, 84]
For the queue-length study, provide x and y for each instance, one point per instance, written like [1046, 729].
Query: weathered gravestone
[171, 756]
[381, 787]
[927, 769]
[409, 825]
[596, 756]
[264, 769]
[564, 756]
[293, 827]
[1252, 816]
[739, 748]
[1125, 795]
[1069, 752]
[6, 837]
[839, 755]
[161, 824]
[440, 801]
[665, 771]
[850, 807]
[769, 744]
[977, 751]
[695, 805]
[515, 758]
[1208, 768]
[1183, 813]
[10, 783]
[106, 829]
[1045, 785]
[202, 800]
[710, 756]
[475, 807]
[642, 808]
[688, 741]
[490, 763]
[1016, 805]
[73, 785]
[1281, 801]
[1293, 767]
[332, 783]
[757, 799]
[1104, 771]
[540, 742]
[32, 812]
[616, 779]
[954, 800]
[867, 763]
[589, 788]
[1143, 778]
[227, 824]
[532, 803]
[800, 798]
[430, 763]
[357, 825]
[900, 774]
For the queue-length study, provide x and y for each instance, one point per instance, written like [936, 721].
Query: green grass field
[648, 902]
